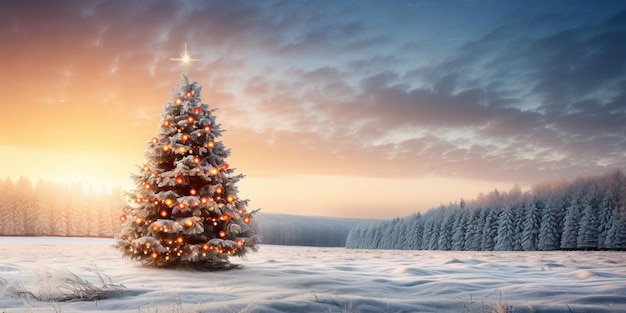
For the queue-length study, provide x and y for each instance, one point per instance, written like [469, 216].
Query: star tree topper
[185, 59]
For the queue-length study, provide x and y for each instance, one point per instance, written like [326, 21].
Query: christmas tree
[185, 211]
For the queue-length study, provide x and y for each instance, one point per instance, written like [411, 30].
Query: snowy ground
[306, 279]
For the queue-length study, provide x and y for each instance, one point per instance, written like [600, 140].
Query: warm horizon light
[363, 109]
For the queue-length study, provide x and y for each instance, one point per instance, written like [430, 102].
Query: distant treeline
[294, 230]
[51, 209]
[588, 214]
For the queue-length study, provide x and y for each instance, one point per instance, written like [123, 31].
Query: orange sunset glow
[331, 108]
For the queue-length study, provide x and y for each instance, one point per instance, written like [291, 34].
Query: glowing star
[185, 59]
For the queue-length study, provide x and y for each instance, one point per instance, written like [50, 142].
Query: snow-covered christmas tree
[185, 211]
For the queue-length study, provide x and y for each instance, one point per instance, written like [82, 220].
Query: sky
[367, 109]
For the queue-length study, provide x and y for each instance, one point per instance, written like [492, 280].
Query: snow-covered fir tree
[548, 231]
[185, 210]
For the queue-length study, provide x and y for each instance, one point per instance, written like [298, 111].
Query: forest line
[586, 214]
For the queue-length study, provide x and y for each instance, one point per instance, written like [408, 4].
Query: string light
[123, 218]
[155, 140]
[163, 213]
[210, 144]
[196, 110]
[189, 223]
[169, 202]
[230, 199]
[207, 128]
[239, 243]
[193, 192]
[179, 180]
[246, 219]
[155, 228]
[222, 234]
[206, 247]
[218, 189]
[196, 160]
[178, 101]
[147, 186]
[154, 255]
[185, 137]
[204, 200]
[190, 119]
[189, 94]
[180, 240]
[224, 166]
[214, 171]
[138, 220]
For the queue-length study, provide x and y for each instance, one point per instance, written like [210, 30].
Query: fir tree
[530, 233]
[185, 210]
[548, 232]
[588, 232]
[569, 239]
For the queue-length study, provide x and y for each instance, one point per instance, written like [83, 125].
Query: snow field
[308, 279]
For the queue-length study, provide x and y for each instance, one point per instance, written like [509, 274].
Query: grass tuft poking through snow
[62, 286]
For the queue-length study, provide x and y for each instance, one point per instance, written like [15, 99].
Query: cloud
[343, 89]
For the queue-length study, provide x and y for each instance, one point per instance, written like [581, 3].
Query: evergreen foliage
[586, 214]
[185, 210]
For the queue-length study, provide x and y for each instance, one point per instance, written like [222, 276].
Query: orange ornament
[224, 166]
[207, 128]
[190, 119]
[222, 234]
[123, 218]
[155, 140]
[189, 94]
[178, 101]
[196, 110]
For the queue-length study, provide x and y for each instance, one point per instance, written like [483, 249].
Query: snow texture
[306, 279]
